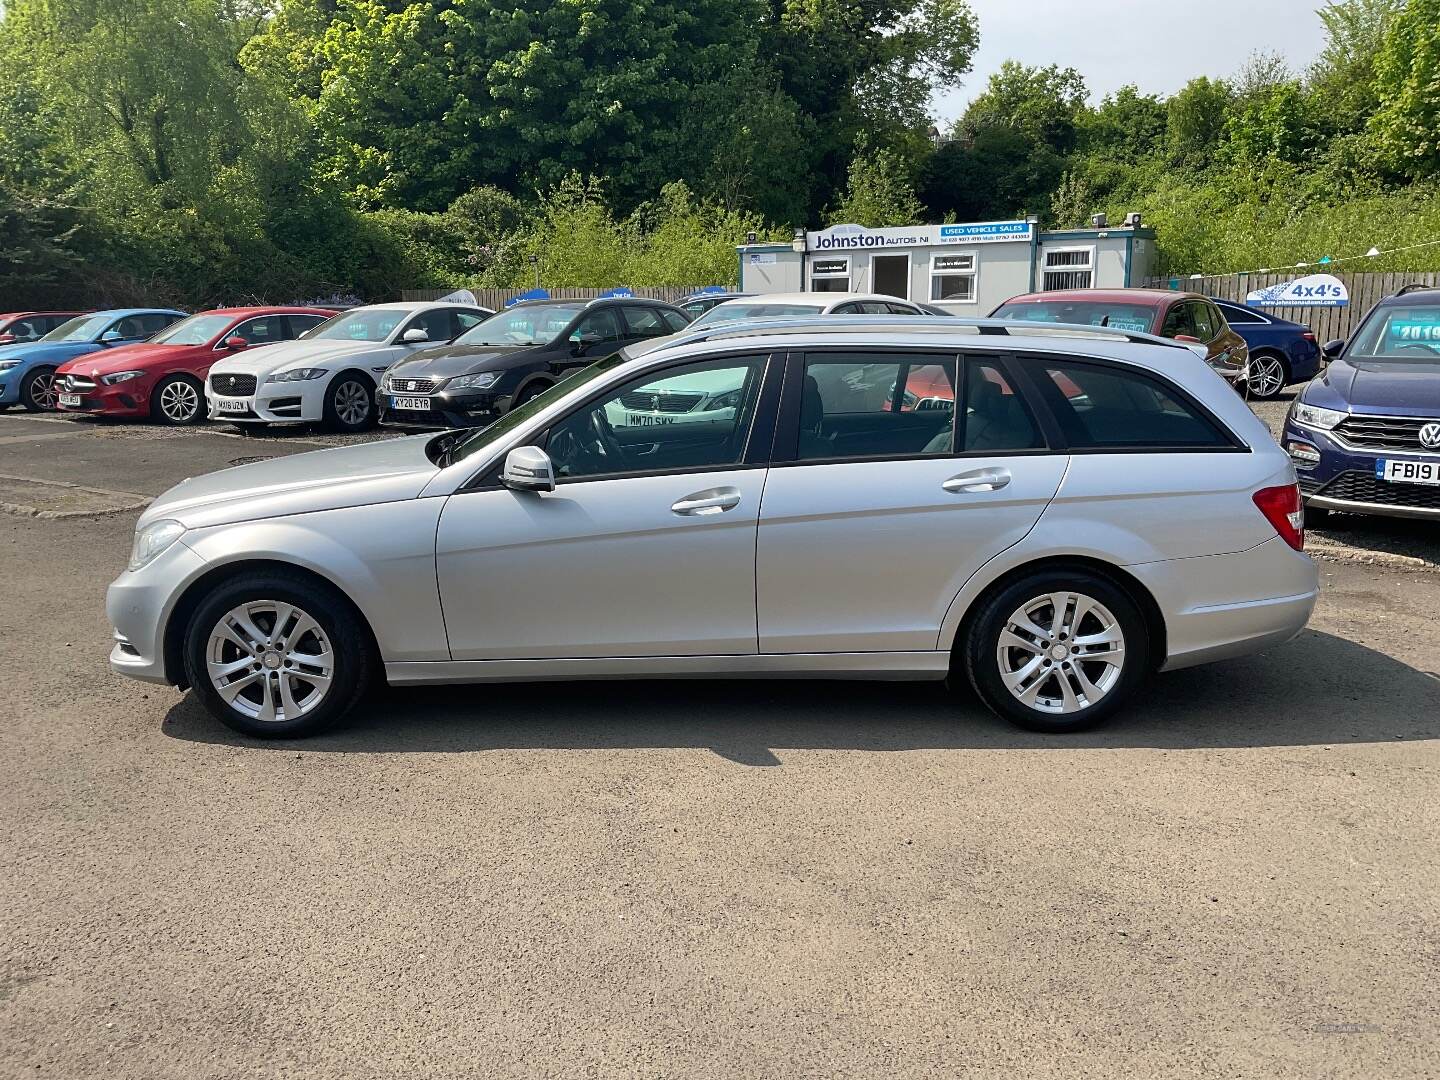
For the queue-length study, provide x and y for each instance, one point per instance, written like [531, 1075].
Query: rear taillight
[1308, 335]
[1281, 507]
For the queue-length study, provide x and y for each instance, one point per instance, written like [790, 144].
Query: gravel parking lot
[1234, 878]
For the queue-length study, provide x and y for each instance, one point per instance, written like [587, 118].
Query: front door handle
[705, 503]
[978, 480]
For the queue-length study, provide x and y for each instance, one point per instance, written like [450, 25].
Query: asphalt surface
[1235, 878]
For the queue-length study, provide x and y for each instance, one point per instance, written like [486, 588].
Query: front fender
[381, 556]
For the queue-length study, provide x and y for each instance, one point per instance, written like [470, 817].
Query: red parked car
[164, 378]
[1181, 316]
[20, 326]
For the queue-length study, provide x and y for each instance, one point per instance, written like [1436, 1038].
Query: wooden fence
[496, 298]
[1328, 323]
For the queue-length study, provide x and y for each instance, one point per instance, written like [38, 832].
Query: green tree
[1043, 104]
[1273, 122]
[878, 192]
[1195, 121]
[1127, 125]
[1343, 75]
[1406, 125]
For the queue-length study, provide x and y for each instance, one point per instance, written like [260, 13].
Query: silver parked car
[1056, 512]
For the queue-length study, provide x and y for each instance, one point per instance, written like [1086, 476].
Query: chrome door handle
[978, 480]
[705, 503]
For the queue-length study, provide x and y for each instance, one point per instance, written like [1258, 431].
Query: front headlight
[304, 374]
[1316, 417]
[120, 376]
[153, 539]
[6, 365]
[481, 380]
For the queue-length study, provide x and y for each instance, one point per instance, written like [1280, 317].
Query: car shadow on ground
[1319, 689]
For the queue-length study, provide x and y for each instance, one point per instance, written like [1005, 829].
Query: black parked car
[513, 356]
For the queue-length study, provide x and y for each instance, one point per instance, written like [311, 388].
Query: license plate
[410, 404]
[1408, 472]
[231, 405]
[647, 420]
[73, 400]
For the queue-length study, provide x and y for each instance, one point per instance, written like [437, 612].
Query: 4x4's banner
[1316, 290]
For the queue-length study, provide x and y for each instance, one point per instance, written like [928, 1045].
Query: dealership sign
[1316, 290]
[857, 237]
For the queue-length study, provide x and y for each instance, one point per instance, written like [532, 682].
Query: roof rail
[1415, 286]
[851, 324]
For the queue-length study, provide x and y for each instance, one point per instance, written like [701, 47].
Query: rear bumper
[1221, 606]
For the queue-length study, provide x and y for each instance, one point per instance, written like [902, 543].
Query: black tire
[530, 393]
[37, 390]
[178, 401]
[982, 662]
[344, 389]
[352, 669]
[1270, 357]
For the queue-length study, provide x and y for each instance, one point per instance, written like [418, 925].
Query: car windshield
[82, 328]
[1398, 334]
[729, 312]
[1136, 317]
[473, 442]
[362, 324]
[196, 330]
[537, 324]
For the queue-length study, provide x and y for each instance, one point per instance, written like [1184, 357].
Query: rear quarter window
[1100, 407]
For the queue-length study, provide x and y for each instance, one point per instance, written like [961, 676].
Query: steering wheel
[1418, 345]
[605, 440]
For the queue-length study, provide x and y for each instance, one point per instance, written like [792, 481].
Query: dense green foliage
[201, 151]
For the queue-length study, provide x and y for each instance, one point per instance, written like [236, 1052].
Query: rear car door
[647, 545]
[881, 502]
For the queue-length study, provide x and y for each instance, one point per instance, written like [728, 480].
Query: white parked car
[1093, 506]
[329, 375]
[790, 305]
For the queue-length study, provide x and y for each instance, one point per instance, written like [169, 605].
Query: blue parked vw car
[1281, 352]
[27, 369]
[1365, 433]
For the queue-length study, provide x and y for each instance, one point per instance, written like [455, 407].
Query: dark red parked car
[1181, 316]
[164, 378]
[18, 326]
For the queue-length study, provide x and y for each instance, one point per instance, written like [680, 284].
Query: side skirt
[897, 666]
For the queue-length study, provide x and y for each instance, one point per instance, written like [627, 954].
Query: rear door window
[645, 322]
[300, 323]
[874, 405]
[996, 419]
[1102, 407]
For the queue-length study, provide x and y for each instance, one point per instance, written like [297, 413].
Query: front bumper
[1345, 478]
[272, 403]
[139, 603]
[123, 399]
[478, 409]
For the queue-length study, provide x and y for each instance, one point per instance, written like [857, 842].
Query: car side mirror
[528, 468]
[109, 336]
[237, 342]
[414, 336]
[1332, 349]
[582, 340]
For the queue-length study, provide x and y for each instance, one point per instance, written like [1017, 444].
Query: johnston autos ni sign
[854, 237]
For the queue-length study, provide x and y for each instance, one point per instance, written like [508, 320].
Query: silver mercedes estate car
[1055, 512]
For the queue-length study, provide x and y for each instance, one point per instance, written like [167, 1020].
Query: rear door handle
[708, 502]
[978, 480]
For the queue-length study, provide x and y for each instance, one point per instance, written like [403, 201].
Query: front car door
[647, 545]
[881, 502]
[596, 333]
